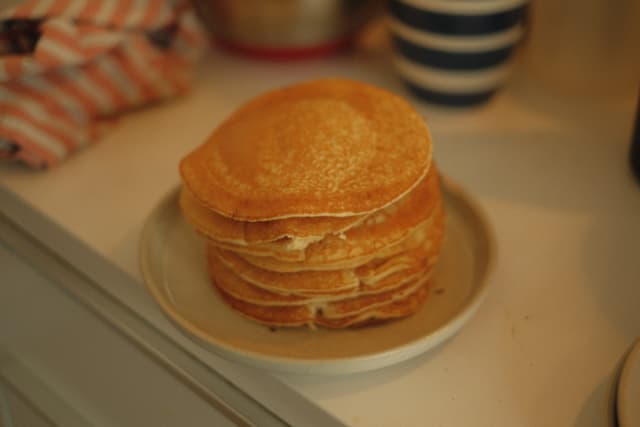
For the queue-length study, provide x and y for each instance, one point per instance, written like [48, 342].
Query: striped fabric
[66, 65]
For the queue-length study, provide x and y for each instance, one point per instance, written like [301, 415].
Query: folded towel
[65, 65]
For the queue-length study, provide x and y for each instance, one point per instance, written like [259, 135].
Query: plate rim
[332, 365]
[622, 399]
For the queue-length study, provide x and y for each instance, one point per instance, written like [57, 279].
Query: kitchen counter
[564, 299]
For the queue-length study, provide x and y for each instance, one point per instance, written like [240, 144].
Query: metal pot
[284, 26]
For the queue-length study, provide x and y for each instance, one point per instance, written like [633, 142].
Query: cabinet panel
[89, 365]
[17, 411]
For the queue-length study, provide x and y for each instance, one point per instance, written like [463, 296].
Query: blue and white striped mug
[455, 52]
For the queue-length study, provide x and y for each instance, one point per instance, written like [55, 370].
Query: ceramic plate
[174, 267]
[628, 401]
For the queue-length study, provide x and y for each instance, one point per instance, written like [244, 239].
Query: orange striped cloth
[67, 64]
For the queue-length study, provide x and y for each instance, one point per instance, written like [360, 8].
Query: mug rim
[465, 7]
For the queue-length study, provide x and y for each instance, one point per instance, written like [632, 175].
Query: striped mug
[455, 52]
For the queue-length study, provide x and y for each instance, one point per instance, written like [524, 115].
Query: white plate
[628, 401]
[173, 263]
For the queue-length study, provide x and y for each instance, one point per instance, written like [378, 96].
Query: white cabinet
[62, 364]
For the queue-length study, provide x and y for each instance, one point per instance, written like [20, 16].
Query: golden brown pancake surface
[329, 147]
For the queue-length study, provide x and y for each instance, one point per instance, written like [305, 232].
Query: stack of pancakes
[321, 206]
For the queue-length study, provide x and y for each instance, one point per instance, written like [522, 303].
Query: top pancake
[329, 147]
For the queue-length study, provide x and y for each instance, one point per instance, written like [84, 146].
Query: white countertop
[564, 302]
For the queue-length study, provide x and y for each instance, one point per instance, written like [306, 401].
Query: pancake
[381, 229]
[378, 270]
[361, 303]
[289, 316]
[232, 284]
[403, 304]
[394, 310]
[227, 281]
[293, 233]
[422, 255]
[329, 147]
[247, 283]
[413, 239]
[375, 276]
[301, 283]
